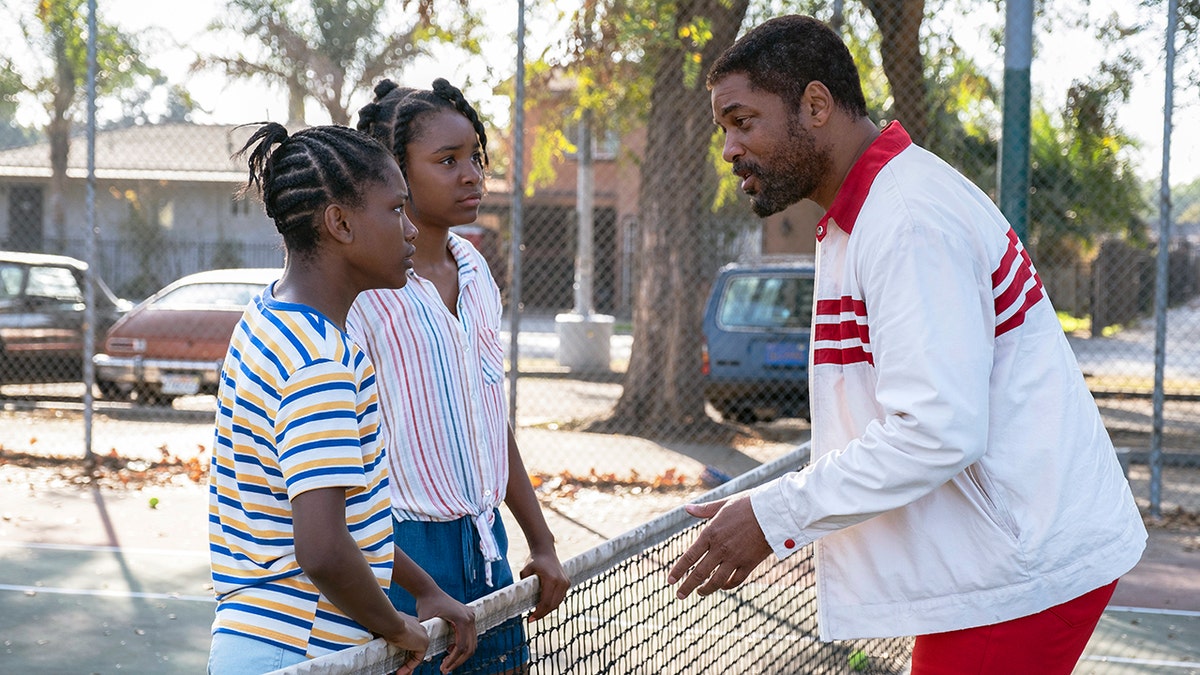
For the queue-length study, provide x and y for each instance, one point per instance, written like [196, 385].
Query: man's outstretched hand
[727, 550]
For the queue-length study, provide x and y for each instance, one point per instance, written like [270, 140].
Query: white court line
[1144, 662]
[1151, 610]
[104, 549]
[1162, 663]
[106, 593]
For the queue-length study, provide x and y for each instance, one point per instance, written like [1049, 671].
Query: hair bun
[367, 115]
[443, 88]
[384, 87]
[273, 133]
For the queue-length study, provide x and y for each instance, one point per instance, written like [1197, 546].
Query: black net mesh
[620, 616]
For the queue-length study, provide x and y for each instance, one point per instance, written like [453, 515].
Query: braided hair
[394, 117]
[298, 175]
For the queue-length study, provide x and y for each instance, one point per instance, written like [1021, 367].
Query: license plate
[786, 354]
[180, 385]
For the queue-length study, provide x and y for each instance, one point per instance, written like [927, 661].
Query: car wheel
[725, 410]
[6, 367]
[147, 395]
[110, 390]
[744, 416]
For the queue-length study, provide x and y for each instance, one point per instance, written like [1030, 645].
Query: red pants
[1046, 643]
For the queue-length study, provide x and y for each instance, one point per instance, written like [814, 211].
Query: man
[962, 486]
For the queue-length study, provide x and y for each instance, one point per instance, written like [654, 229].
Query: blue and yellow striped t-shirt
[297, 410]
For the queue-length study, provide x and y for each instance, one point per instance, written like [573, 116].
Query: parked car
[172, 344]
[42, 317]
[756, 328]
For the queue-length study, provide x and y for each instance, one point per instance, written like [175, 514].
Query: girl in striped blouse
[440, 366]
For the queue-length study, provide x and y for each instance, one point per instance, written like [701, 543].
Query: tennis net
[620, 616]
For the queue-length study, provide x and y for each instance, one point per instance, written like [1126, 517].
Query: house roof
[178, 151]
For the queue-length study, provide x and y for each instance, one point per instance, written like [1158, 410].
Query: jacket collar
[853, 192]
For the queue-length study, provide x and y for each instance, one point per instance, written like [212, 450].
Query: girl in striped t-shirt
[299, 531]
[440, 367]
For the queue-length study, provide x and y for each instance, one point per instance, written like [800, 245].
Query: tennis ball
[154, 502]
[858, 660]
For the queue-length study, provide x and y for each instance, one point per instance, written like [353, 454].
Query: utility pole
[518, 217]
[1014, 135]
[584, 337]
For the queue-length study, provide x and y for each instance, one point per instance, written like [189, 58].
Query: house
[548, 227]
[167, 204]
[548, 230]
[166, 198]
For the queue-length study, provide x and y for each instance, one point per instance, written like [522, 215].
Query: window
[56, 283]
[767, 302]
[11, 277]
[605, 143]
[209, 295]
[166, 214]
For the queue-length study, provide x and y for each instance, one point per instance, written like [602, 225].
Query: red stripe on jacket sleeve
[850, 334]
[1019, 289]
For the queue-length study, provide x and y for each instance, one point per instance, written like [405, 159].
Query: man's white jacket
[961, 474]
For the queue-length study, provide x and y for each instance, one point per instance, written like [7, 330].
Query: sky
[1069, 54]
[177, 30]
[172, 33]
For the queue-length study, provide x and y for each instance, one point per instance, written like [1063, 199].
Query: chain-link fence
[616, 334]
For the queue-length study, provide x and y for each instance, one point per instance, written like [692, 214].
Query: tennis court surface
[94, 581]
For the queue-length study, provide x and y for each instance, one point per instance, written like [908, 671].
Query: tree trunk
[339, 112]
[899, 24]
[58, 132]
[297, 93]
[662, 389]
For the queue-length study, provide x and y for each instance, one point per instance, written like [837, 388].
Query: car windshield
[767, 302]
[224, 295]
[55, 283]
[11, 278]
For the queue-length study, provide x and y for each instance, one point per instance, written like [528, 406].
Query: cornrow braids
[298, 175]
[455, 96]
[394, 117]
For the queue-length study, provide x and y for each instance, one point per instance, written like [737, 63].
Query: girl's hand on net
[458, 615]
[552, 579]
[413, 639]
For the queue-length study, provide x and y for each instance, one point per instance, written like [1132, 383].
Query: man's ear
[817, 105]
[337, 224]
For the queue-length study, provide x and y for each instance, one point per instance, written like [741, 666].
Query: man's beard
[793, 172]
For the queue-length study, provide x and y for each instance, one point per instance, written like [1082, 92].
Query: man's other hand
[725, 553]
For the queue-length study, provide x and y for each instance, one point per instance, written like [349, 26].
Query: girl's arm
[544, 560]
[328, 554]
